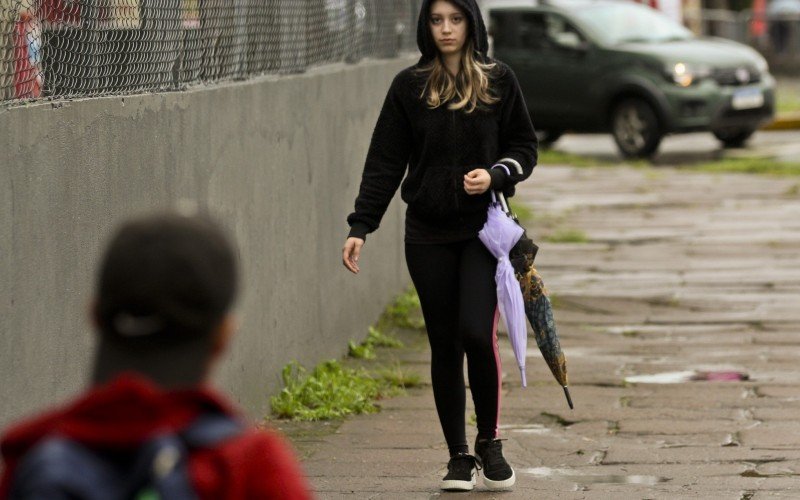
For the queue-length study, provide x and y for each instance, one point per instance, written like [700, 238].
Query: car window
[628, 22]
[561, 33]
[501, 28]
[532, 31]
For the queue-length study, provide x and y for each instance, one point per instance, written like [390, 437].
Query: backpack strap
[163, 461]
[210, 429]
[59, 468]
[160, 471]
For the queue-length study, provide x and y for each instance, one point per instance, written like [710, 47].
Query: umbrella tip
[569, 398]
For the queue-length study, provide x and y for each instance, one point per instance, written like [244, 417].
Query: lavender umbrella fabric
[499, 235]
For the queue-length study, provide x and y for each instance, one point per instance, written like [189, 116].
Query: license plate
[747, 99]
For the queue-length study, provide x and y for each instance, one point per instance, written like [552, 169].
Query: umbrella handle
[499, 196]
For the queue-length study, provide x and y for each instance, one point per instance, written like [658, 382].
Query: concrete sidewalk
[692, 274]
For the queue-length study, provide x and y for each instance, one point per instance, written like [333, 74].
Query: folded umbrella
[499, 235]
[539, 311]
[538, 308]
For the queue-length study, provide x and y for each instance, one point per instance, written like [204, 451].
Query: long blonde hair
[466, 91]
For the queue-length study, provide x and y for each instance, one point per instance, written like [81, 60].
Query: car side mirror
[571, 41]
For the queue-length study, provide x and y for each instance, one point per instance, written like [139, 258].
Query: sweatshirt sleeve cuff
[499, 176]
[359, 230]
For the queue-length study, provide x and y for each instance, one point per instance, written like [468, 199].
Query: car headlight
[684, 74]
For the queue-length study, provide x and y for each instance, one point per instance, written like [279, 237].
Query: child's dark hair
[165, 278]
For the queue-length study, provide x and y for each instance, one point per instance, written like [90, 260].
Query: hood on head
[427, 46]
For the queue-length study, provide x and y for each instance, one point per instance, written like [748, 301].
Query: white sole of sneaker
[454, 485]
[500, 485]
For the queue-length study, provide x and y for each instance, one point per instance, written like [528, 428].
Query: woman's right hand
[351, 252]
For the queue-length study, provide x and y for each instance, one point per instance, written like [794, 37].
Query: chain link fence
[80, 48]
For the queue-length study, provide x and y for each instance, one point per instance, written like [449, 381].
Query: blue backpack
[61, 469]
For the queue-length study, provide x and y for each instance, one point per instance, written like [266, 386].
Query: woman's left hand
[477, 181]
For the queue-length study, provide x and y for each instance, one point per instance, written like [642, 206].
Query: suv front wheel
[733, 137]
[636, 129]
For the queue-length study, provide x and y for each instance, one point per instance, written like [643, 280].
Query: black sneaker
[497, 474]
[462, 473]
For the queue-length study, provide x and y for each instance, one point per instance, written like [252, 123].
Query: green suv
[619, 67]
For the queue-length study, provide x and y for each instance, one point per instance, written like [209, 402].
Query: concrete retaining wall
[277, 159]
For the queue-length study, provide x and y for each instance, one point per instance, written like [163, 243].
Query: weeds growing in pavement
[363, 350]
[765, 166]
[404, 312]
[379, 339]
[330, 391]
[397, 376]
[749, 166]
[553, 157]
[375, 338]
[523, 212]
[333, 391]
[567, 236]
[787, 102]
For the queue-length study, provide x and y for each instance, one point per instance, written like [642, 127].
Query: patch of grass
[404, 312]
[548, 220]
[654, 175]
[377, 338]
[333, 390]
[523, 212]
[567, 236]
[553, 157]
[329, 392]
[786, 102]
[748, 166]
[793, 190]
[363, 350]
[397, 376]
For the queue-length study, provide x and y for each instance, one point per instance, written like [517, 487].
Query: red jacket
[127, 411]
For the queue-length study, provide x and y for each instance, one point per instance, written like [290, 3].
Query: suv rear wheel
[636, 129]
[548, 137]
[733, 137]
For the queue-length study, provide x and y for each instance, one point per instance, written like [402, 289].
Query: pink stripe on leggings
[499, 371]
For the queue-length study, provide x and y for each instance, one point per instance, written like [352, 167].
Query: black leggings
[456, 288]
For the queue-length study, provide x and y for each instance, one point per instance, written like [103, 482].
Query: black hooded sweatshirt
[439, 146]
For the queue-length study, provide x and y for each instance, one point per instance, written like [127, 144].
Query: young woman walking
[457, 123]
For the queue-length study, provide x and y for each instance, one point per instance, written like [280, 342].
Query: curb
[786, 121]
